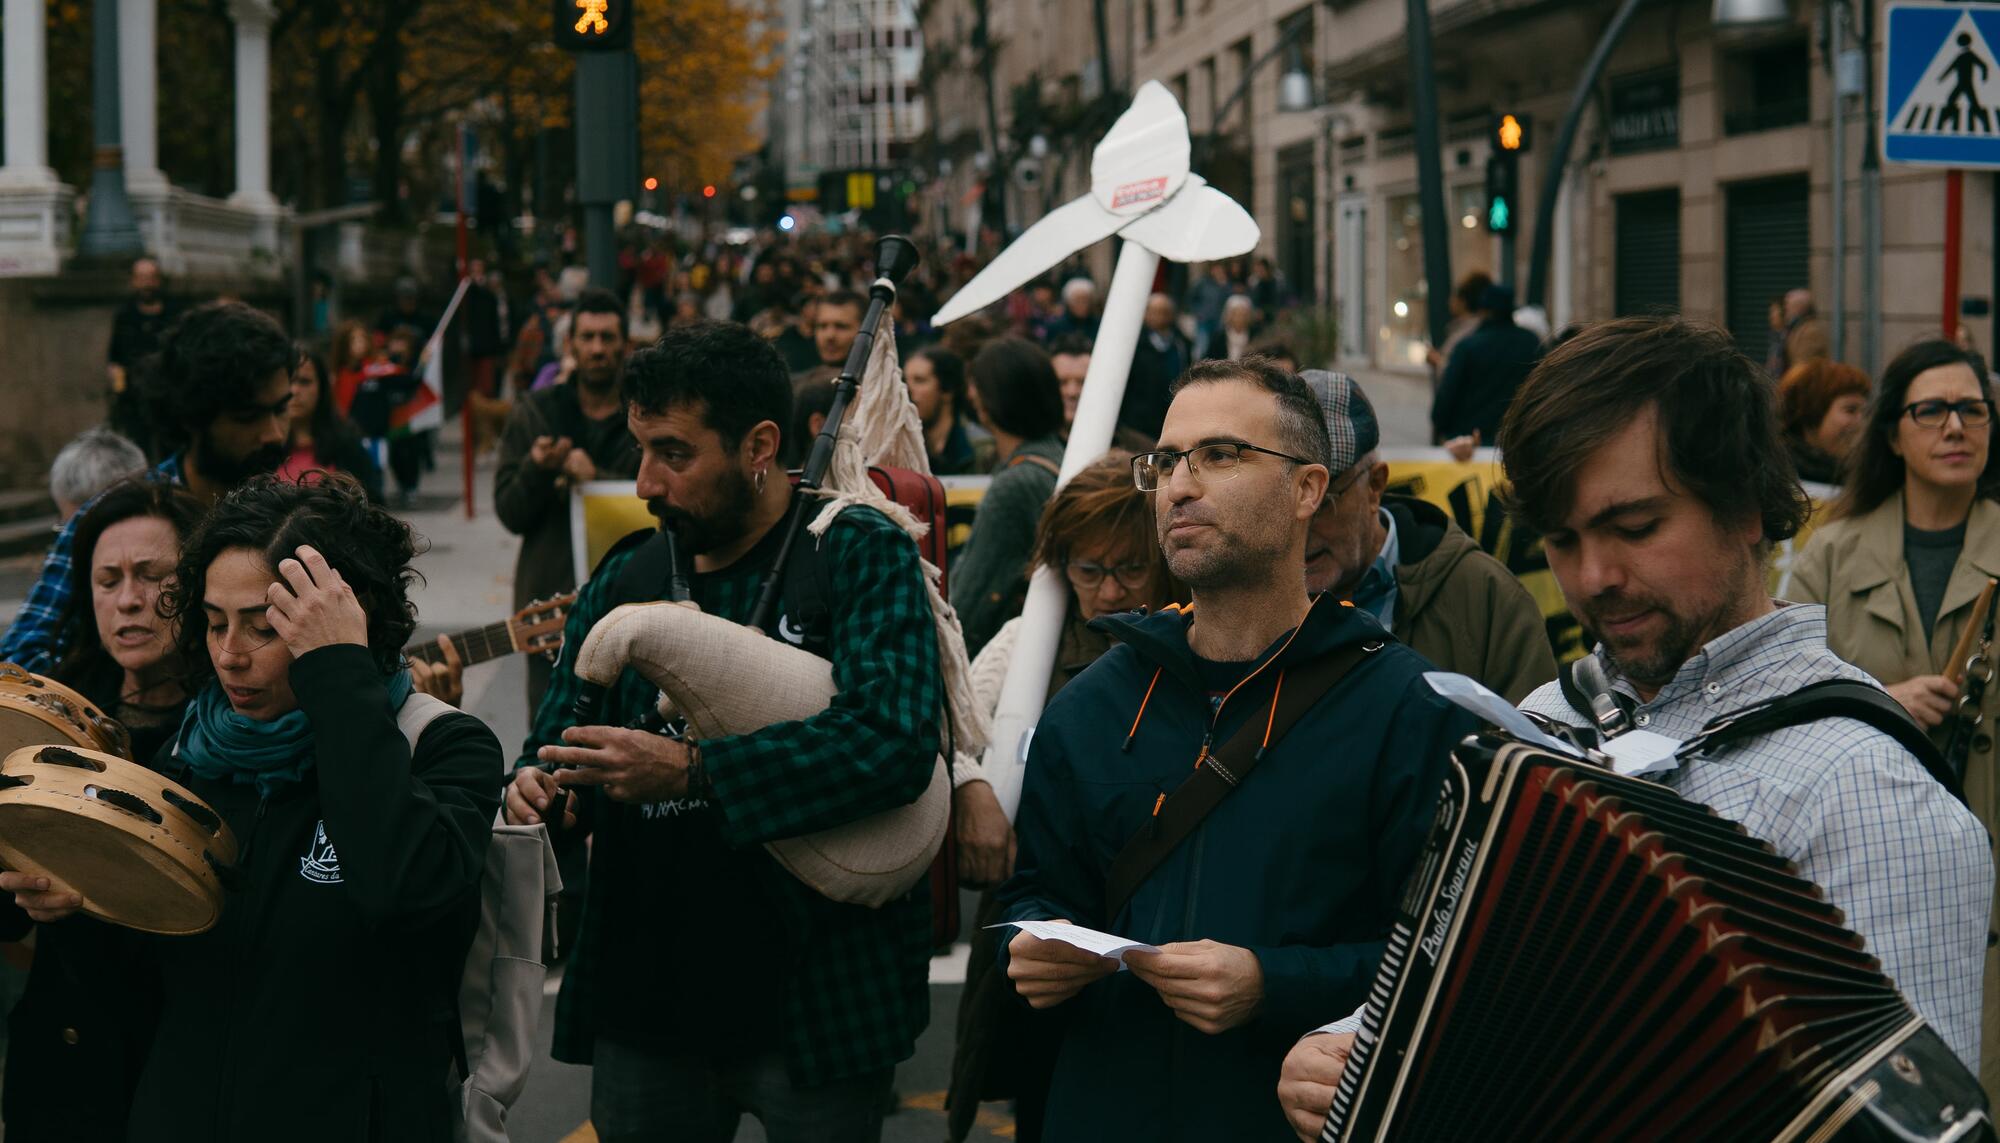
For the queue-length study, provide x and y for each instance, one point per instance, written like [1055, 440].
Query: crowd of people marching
[233, 591]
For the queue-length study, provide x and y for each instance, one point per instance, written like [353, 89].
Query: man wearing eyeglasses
[1241, 784]
[1402, 560]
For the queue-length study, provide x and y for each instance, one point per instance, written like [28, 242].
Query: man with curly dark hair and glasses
[1277, 897]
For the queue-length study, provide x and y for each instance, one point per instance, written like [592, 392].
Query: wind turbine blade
[1200, 224]
[1143, 160]
[1064, 231]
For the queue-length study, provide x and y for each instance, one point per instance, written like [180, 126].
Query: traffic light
[593, 25]
[1501, 180]
[1510, 136]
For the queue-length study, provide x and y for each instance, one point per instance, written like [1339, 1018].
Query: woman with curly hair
[321, 1006]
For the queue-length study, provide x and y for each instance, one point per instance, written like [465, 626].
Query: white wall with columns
[188, 233]
[37, 212]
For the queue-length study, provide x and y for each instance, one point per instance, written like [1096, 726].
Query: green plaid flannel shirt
[860, 994]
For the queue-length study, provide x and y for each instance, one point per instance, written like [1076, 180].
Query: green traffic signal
[1498, 217]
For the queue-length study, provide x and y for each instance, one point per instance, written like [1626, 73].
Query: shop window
[1404, 336]
[1766, 87]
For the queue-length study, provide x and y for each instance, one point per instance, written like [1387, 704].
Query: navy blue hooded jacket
[1303, 864]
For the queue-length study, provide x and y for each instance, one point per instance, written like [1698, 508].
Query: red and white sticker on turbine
[1135, 194]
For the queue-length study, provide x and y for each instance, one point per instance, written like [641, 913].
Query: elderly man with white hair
[93, 461]
[1079, 312]
[1232, 341]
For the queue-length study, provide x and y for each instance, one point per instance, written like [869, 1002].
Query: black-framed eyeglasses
[1339, 488]
[1973, 412]
[1209, 463]
[1089, 575]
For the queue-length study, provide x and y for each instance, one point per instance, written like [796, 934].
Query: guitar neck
[480, 645]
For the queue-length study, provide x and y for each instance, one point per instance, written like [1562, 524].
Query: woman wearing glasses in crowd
[1909, 546]
[1098, 533]
[80, 1032]
[321, 1006]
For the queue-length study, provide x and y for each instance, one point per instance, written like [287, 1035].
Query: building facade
[1700, 180]
[846, 96]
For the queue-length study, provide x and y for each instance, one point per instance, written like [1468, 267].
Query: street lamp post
[1430, 171]
[109, 231]
[1545, 207]
[1297, 94]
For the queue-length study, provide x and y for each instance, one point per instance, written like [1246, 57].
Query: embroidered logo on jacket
[321, 863]
[791, 632]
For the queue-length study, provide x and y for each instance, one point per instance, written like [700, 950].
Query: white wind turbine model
[1142, 191]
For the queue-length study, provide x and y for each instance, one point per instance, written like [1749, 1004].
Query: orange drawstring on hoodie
[1134, 732]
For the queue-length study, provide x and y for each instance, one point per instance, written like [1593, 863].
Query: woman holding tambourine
[80, 1032]
[322, 1005]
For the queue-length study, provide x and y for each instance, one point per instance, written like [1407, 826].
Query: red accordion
[1583, 956]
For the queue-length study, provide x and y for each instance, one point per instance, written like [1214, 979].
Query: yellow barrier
[604, 511]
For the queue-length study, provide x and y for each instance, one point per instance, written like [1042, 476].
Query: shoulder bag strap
[644, 577]
[1175, 816]
[417, 713]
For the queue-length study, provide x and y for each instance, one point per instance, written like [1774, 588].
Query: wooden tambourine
[142, 851]
[37, 711]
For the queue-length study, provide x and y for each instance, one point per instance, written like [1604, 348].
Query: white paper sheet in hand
[1089, 940]
[1469, 694]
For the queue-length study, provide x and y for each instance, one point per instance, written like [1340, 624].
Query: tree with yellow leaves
[702, 67]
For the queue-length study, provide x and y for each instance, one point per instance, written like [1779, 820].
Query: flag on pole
[424, 408]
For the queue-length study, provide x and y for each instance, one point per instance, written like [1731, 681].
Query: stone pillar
[253, 105]
[138, 94]
[25, 68]
[35, 209]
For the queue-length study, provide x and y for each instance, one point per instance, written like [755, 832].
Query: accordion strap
[1830, 698]
[1175, 816]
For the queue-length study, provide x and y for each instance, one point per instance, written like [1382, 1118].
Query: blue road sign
[1941, 90]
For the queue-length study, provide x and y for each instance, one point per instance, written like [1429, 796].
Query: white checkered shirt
[1856, 812]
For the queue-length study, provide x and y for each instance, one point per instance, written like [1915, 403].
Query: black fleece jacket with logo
[321, 1006]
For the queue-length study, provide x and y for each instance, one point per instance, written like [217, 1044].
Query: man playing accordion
[1645, 452]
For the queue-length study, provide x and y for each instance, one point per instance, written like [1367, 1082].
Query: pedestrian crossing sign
[1941, 89]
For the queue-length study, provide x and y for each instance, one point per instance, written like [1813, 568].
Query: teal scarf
[221, 745]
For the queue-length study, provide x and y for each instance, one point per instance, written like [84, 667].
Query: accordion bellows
[1582, 956]
[725, 678]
